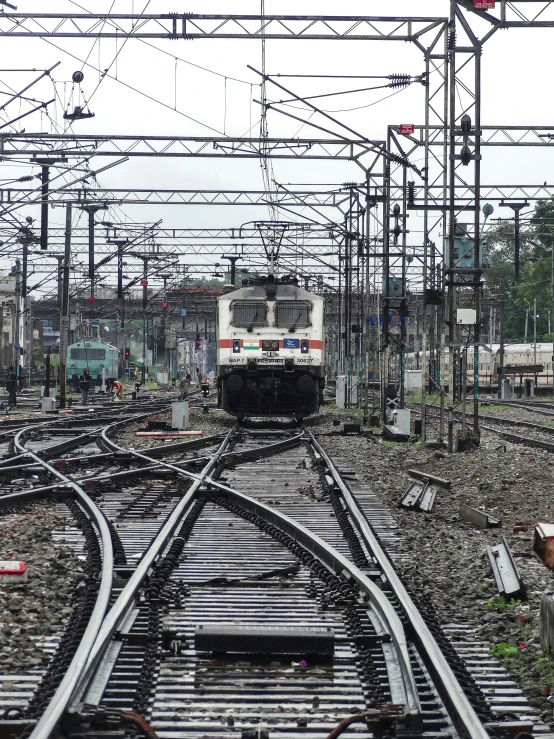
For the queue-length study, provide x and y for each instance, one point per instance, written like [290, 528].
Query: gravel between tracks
[37, 610]
[449, 565]
[210, 423]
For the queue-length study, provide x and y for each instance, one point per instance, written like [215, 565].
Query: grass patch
[545, 668]
[494, 408]
[504, 650]
[536, 667]
[416, 397]
[387, 442]
[500, 603]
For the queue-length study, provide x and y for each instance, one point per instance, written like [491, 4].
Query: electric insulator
[411, 192]
[399, 80]
[452, 40]
[465, 156]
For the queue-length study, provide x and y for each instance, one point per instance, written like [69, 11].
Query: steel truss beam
[292, 199]
[490, 136]
[237, 234]
[516, 13]
[60, 145]
[189, 26]
[85, 197]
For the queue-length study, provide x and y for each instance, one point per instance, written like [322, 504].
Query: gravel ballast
[34, 613]
[448, 565]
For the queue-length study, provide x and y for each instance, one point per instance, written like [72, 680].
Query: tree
[537, 242]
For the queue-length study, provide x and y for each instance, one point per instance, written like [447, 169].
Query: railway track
[499, 426]
[209, 574]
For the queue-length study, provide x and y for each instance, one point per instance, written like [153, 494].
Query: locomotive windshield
[292, 314]
[249, 314]
[87, 355]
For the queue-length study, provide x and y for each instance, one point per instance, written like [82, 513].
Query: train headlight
[270, 345]
[236, 346]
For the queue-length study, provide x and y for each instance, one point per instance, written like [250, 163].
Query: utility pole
[501, 362]
[45, 165]
[526, 322]
[26, 238]
[552, 313]
[59, 259]
[517, 208]
[64, 315]
[233, 258]
[535, 332]
[91, 210]
[144, 304]
[16, 333]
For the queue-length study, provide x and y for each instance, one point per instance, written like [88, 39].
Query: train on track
[270, 349]
[516, 356]
[94, 356]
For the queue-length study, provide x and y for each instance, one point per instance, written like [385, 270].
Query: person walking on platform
[11, 387]
[84, 384]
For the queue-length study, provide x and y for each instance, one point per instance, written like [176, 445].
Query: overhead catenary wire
[130, 87]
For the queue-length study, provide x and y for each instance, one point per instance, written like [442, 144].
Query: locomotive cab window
[248, 314]
[292, 314]
[87, 355]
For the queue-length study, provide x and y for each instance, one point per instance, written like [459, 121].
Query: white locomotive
[270, 349]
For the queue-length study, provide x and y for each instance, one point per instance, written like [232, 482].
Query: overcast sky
[516, 70]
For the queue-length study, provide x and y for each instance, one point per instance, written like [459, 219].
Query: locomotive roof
[258, 292]
[92, 344]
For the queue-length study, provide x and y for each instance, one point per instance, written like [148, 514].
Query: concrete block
[12, 570]
[180, 415]
[48, 404]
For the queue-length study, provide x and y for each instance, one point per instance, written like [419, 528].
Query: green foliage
[37, 358]
[493, 408]
[504, 650]
[536, 244]
[545, 668]
[500, 603]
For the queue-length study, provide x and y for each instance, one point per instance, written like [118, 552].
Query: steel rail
[51, 717]
[31, 493]
[65, 487]
[533, 406]
[510, 422]
[383, 609]
[507, 435]
[461, 711]
[340, 565]
[523, 440]
[127, 597]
